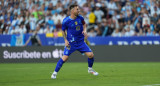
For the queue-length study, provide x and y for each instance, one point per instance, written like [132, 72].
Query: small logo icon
[76, 23]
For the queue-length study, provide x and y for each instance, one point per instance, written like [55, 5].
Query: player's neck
[73, 16]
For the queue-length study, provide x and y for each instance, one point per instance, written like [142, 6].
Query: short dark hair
[72, 6]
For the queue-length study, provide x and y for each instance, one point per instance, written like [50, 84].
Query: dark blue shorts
[80, 46]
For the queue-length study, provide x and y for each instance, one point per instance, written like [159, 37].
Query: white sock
[89, 68]
[54, 72]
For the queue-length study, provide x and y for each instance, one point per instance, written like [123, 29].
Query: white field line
[152, 85]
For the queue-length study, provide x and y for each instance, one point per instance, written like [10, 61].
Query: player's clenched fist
[84, 33]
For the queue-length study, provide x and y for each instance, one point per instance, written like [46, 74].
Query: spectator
[54, 10]
[99, 28]
[55, 33]
[155, 33]
[56, 17]
[149, 32]
[35, 40]
[123, 33]
[85, 7]
[104, 9]
[37, 13]
[92, 33]
[47, 30]
[127, 8]
[138, 28]
[154, 18]
[51, 23]
[98, 14]
[1, 10]
[59, 25]
[39, 30]
[16, 9]
[115, 18]
[129, 32]
[62, 16]
[105, 28]
[8, 22]
[111, 7]
[50, 7]
[32, 23]
[154, 8]
[138, 8]
[128, 16]
[13, 30]
[6, 31]
[130, 25]
[111, 27]
[1, 31]
[2, 26]
[21, 30]
[158, 26]
[19, 19]
[59, 7]
[92, 18]
[121, 18]
[30, 4]
[41, 22]
[140, 33]
[14, 22]
[146, 26]
[116, 33]
[152, 26]
[145, 17]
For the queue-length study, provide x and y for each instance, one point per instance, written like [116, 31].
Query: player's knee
[65, 58]
[91, 55]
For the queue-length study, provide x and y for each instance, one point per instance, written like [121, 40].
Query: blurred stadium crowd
[103, 17]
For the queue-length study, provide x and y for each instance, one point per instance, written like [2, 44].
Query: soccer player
[75, 27]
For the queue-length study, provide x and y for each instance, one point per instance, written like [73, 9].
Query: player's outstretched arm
[84, 30]
[65, 39]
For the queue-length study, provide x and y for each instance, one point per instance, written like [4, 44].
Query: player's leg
[88, 52]
[59, 65]
[90, 56]
[67, 52]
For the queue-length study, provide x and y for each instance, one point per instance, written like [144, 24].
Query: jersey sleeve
[82, 19]
[64, 27]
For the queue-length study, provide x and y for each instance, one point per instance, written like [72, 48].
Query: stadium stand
[116, 18]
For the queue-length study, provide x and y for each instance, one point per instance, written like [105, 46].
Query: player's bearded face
[76, 11]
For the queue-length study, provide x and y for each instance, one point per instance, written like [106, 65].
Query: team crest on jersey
[76, 23]
[77, 28]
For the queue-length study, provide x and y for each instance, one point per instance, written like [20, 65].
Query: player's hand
[66, 43]
[84, 33]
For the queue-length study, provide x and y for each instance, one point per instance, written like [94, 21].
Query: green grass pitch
[75, 74]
